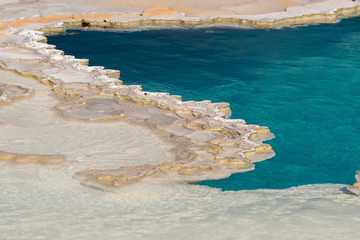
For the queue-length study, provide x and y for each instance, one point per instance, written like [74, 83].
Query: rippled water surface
[304, 83]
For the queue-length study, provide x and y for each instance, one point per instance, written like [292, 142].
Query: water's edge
[203, 127]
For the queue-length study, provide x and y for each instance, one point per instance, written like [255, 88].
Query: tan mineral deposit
[206, 144]
[355, 188]
[28, 158]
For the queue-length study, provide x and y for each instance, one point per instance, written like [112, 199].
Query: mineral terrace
[206, 143]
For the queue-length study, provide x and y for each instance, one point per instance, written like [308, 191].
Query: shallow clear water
[303, 83]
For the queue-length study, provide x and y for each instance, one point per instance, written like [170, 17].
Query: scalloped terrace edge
[207, 145]
[215, 147]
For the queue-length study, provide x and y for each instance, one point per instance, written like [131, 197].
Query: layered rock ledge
[121, 14]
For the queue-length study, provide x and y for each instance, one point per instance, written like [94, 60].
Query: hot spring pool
[303, 83]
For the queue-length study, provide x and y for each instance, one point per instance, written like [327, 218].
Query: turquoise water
[304, 83]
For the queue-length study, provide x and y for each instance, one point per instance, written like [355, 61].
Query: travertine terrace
[206, 143]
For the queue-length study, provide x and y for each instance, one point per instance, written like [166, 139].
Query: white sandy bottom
[39, 202]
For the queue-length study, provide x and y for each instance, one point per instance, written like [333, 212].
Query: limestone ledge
[207, 145]
[355, 188]
[30, 158]
[9, 92]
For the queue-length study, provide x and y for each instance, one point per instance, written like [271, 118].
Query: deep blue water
[304, 83]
